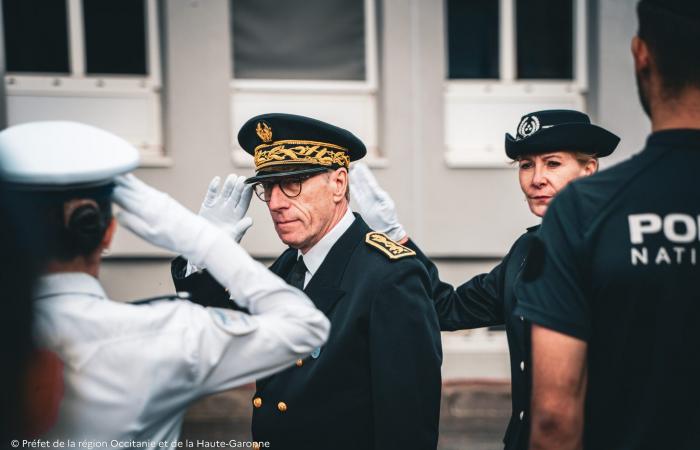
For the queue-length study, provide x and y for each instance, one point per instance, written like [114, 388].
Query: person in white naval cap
[131, 370]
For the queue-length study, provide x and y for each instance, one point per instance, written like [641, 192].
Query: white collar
[68, 283]
[315, 256]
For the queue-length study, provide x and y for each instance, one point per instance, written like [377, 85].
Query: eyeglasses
[291, 187]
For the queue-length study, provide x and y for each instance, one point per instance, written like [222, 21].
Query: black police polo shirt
[619, 268]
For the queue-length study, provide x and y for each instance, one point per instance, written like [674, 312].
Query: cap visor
[277, 175]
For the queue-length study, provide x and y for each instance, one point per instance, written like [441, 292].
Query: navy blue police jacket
[485, 300]
[376, 383]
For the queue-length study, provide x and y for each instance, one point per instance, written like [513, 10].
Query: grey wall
[613, 96]
[463, 213]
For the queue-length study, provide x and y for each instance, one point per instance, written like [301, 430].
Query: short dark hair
[672, 38]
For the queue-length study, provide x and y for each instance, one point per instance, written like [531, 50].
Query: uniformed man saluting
[376, 383]
[131, 370]
[612, 291]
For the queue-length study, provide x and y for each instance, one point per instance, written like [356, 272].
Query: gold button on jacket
[282, 406]
[257, 402]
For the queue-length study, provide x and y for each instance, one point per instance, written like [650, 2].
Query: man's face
[302, 221]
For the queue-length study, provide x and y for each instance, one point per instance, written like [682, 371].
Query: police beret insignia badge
[264, 131]
[528, 126]
[388, 247]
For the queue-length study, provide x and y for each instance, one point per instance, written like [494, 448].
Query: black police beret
[559, 129]
[288, 144]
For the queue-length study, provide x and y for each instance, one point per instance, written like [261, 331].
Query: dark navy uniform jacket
[376, 383]
[619, 268]
[485, 300]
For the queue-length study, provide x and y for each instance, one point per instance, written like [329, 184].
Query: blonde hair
[583, 158]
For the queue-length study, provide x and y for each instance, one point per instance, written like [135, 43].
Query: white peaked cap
[62, 154]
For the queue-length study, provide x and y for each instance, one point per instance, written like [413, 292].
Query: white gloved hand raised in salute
[376, 206]
[226, 207]
[159, 219]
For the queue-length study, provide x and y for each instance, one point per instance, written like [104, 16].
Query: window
[545, 39]
[472, 29]
[311, 57]
[268, 44]
[36, 36]
[92, 61]
[115, 37]
[506, 58]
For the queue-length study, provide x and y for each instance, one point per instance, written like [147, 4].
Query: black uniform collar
[533, 228]
[323, 289]
[681, 137]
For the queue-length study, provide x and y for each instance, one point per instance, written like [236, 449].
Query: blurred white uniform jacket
[130, 371]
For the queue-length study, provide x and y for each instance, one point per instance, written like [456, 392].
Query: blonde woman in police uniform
[131, 370]
[552, 148]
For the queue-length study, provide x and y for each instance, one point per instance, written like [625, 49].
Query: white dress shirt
[130, 371]
[315, 256]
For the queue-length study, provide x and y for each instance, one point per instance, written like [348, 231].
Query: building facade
[431, 86]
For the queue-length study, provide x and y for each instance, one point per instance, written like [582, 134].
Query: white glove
[162, 221]
[376, 206]
[226, 208]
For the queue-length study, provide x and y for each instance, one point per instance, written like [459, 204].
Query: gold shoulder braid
[390, 248]
[285, 152]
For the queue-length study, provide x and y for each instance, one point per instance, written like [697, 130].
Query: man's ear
[640, 53]
[109, 234]
[339, 179]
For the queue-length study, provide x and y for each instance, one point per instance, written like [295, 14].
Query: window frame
[369, 85]
[322, 92]
[78, 83]
[508, 52]
[509, 87]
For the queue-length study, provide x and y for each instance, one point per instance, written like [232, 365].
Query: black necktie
[297, 274]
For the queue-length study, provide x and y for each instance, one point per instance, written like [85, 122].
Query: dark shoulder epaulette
[178, 296]
[389, 248]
